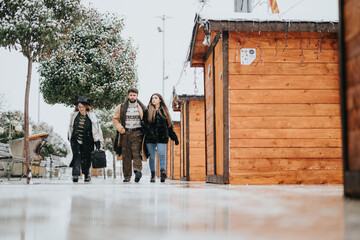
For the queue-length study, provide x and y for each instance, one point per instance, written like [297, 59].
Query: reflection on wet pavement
[110, 209]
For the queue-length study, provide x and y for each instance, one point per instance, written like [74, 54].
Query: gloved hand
[97, 145]
[176, 142]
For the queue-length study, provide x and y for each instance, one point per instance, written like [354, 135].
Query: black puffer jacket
[158, 131]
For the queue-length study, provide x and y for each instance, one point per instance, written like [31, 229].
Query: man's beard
[132, 101]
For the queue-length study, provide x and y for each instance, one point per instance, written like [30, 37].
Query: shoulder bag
[98, 159]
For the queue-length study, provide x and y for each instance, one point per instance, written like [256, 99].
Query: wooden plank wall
[219, 111]
[284, 109]
[157, 165]
[209, 105]
[196, 140]
[168, 158]
[352, 41]
[183, 141]
[176, 154]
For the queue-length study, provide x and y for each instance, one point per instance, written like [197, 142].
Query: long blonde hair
[152, 111]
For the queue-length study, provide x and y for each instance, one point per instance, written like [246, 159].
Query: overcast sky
[141, 22]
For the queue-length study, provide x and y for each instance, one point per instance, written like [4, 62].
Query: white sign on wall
[247, 55]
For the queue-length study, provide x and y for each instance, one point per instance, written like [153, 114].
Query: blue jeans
[161, 148]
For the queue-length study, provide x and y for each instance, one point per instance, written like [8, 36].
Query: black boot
[162, 175]
[138, 175]
[87, 178]
[75, 178]
[152, 179]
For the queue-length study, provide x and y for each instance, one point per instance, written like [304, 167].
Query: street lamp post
[17, 127]
[163, 18]
[10, 129]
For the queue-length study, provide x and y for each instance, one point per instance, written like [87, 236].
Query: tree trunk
[114, 159]
[114, 163]
[26, 120]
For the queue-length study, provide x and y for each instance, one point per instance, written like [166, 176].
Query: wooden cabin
[350, 94]
[272, 103]
[192, 137]
[173, 155]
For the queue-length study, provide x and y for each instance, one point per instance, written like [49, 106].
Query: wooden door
[216, 127]
[176, 151]
[184, 144]
[209, 116]
[219, 111]
[168, 159]
[350, 94]
[172, 158]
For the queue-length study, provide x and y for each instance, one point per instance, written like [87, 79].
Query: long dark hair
[152, 111]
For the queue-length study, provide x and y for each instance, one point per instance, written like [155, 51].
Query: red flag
[274, 6]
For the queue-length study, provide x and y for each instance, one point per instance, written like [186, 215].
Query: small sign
[248, 55]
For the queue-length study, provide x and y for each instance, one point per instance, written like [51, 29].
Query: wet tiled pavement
[110, 209]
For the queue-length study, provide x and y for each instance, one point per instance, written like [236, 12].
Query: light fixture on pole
[18, 128]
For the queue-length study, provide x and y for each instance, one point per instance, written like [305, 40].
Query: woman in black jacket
[84, 131]
[158, 128]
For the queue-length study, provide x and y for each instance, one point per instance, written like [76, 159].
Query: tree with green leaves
[95, 62]
[35, 28]
[107, 127]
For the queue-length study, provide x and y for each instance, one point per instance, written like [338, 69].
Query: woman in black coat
[84, 132]
[158, 128]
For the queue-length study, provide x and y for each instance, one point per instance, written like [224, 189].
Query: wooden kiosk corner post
[192, 137]
[173, 155]
[272, 104]
[350, 93]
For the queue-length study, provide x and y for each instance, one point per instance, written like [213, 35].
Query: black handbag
[117, 142]
[117, 148]
[98, 159]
